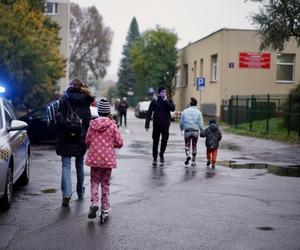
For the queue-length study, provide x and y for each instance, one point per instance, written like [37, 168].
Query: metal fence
[248, 109]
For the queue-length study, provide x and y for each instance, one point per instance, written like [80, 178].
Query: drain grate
[265, 228]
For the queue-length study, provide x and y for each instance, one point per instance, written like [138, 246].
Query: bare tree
[90, 43]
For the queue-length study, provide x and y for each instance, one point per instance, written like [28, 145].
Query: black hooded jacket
[213, 136]
[161, 112]
[68, 145]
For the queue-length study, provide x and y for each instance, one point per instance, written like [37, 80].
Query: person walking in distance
[73, 119]
[160, 108]
[122, 107]
[213, 137]
[102, 138]
[191, 123]
[117, 102]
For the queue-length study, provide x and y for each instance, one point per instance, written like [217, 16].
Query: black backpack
[72, 123]
[213, 143]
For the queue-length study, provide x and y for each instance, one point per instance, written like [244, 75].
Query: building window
[201, 67]
[51, 8]
[178, 79]
[214, 68]
[285, 67]
[195, 72]
[186, 71]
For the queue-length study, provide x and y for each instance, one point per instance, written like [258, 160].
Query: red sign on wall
[254, 60]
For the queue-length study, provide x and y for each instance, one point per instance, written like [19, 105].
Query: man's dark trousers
[164, 131]
[124, 113]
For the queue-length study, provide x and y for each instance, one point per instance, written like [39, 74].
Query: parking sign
[200, 82]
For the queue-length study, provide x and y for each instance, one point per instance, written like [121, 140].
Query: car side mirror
[17, 125]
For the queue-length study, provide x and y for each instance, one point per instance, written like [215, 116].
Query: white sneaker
[106, 211]
[193, 164]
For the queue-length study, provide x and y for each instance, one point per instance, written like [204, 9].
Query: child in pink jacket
[102, 138]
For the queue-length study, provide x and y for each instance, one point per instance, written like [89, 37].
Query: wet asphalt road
[169, 207]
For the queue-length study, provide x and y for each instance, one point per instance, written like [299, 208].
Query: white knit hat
[103, 106]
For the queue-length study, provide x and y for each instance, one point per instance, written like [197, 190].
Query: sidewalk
[257, 150]
[250, 152]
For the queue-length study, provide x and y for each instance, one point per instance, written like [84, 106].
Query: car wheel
[24, 179]
[6, 199]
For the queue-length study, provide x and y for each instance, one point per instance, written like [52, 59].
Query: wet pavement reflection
[286, 170]
[210, 174]
[158, 176]
[190, 173]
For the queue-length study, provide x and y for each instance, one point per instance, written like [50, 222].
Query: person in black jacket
[77, 98]
[160, 108]
[213, 137]
[122, 110]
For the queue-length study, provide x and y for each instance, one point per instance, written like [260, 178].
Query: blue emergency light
[2, 90]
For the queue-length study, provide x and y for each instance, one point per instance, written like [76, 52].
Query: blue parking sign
[200, 82]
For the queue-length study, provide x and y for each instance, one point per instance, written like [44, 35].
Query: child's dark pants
[191, 136]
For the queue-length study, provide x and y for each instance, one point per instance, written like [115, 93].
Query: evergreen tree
[126, 76]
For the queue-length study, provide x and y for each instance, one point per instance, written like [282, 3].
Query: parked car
[38, 129]
[141, 109]
[14, 153]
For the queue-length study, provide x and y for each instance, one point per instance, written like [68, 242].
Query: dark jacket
[122, 107]
[213, 136]
[67, 144]
[161, 112]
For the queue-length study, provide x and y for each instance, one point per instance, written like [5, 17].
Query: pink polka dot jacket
[102, 138]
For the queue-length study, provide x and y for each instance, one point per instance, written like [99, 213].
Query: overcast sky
[190, 19]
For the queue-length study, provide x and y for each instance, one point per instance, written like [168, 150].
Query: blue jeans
[66, 181]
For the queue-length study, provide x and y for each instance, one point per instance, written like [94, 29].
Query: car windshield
[10, 109]
[94, 111]
[144, 105]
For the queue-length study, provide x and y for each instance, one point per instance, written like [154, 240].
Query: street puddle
[289, 170]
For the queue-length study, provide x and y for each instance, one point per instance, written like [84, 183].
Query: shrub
[291, 109]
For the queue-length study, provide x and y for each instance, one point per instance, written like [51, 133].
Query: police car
[14, 152]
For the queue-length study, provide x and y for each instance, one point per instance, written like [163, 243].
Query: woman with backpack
[73, 119]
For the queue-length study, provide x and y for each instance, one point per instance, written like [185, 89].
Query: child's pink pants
[100, 175]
